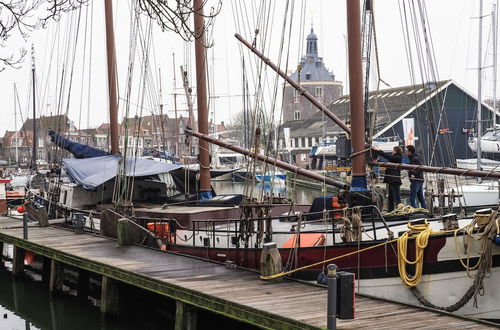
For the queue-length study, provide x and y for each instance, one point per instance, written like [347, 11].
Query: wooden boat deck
[234, 293]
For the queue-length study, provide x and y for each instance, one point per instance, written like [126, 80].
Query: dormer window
[308, 76]
[296, 115]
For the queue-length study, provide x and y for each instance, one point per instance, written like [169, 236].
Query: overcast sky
[453, 28]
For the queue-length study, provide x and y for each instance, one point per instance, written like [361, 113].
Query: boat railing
[242, 229]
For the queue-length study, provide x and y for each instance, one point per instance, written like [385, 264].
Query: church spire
[312, 44]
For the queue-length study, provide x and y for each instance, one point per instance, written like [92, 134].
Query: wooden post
[18, 262]
[83, 284]
[109, 297]
[56, 276]
[47, 263]
[122, 231]
[43, 218]
[186, 316]
[270, 259]
[1, 250]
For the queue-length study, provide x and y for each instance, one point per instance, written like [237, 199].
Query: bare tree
[175, 15]
[20, 17]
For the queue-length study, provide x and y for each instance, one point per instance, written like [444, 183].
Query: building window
[296, 96]
[296, 142]
[296, 115]
[310, 142]
[319, 94]
[308, 76]
[303, 142]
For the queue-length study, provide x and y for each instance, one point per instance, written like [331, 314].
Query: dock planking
[235, 293]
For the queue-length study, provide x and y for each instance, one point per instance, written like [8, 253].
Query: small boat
[271, 176]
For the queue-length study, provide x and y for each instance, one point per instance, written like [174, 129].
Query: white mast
[495, 69]
[479, 91]
[15, 123]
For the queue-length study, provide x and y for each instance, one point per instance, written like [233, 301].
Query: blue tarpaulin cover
[92, 172]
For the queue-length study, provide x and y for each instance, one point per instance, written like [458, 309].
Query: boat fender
[497, 239]
[322, 278]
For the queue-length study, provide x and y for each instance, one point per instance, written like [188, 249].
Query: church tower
[312, 74]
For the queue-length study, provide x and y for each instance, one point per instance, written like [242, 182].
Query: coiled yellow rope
[422, 232]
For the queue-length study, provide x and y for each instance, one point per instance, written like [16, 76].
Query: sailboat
[333, 231]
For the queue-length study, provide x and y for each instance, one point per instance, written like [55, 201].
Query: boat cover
[77, 149]
[92, 172]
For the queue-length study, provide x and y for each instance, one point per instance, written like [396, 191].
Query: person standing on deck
[416, 179]
[392, 176]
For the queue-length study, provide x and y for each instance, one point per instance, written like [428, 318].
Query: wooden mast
[112, 92]
[201, 96]
[356, 96]
[35, 137]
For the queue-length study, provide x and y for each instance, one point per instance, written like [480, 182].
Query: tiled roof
[58, 123]
[390, 104]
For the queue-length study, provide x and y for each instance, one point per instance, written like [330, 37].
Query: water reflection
[26, 304]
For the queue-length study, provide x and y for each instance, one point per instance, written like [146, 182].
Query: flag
[409, 131]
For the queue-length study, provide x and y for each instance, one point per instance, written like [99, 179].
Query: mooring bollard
[270, 260]
[79, 222]
[25, 225]
[332, 296]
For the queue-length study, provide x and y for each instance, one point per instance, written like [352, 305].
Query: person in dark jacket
[416, 179]
[392, 176]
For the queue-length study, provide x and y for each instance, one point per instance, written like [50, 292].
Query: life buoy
[155, 153]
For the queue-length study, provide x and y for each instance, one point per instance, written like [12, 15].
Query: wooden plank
[231, 292]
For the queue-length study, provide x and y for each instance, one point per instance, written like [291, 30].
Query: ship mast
[15, 124]
[356, 97]
[112, 92]
[479, 87]
[201, 97]
[35, 137]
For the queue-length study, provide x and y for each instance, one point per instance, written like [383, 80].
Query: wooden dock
[195, 283]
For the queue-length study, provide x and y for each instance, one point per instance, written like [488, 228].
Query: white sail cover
[92, 172]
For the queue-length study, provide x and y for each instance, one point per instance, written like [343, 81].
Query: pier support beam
[110, 297]
[46, 266]
[56, 276]
[83, 284]
[186, 317]
[18, 262]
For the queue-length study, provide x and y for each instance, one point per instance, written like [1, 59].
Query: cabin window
[319, 94]
[296, 115]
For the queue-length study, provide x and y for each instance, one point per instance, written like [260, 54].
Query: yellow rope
[271, 277]
[422, 232]
[402, 209]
